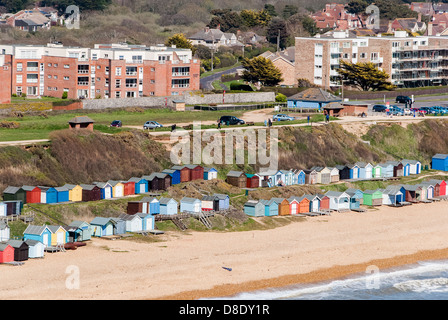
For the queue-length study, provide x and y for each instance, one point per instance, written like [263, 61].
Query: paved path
[206, 82]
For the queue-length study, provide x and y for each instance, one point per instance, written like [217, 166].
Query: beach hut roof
[113, 183]
[101, 221]
[61, 189]
[77, 223]
[164, 200]
[411, 187]
[251, 203]
[336, 194]
[3, 246]
[11, 190]
[149, 199]
[208, 169]
[37, 230]
[128, 217]
[208, 198]
[234, 173]
[317, 169]
[29, 188]
[278, 200]
[32, 243]
[405, 161]
[221, 196]
[70, 186]
[88, 186]
[54, 229]
[440, 156]
[15, 243]
[189, 200]
[177, 167]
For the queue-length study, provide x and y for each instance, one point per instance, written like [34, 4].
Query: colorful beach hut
[209, 203]
[324, 202]
[36, 249]
[74, 192]
[129, 187]
[354, 171]
[33, 194]
[365, 170]
[90, 192]
[151, 205]
[14, 193]
[334, 174]
[372, 197]
[344, 172]
[387, 170]
[117, 188]
[283, 206]
[439, 161]
[254, 208]
[299, 177]
[106, 189]
[442, 187]
[62, 194]
[270, 207]
[377, 171]
[79, 231]
[314, 202]
[133, 222]
[6, 253]
[304, 204]
[223, 200]
[140, 185]
[5, 231]
[102, 227]
[148, 221]
[398, 168]
[293, 206]
[175, 175]
[158, 181]
[310, 176]
[59, 235]
[237, 179]
[210, 173]
[252, 181]
[356, 198]
[196, 172]
[21, 250]
[184, 172]
[415, 166]
[393, 195]
[188, 204]
[38, 233]
[48, 195]
[339, 201]
[267, 178]
[168, 206]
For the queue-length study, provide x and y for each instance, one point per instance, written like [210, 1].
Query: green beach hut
[373, 197]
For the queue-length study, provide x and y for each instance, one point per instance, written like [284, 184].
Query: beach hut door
[45, 239]
[196, 207]
[108, 193]
[60, 238]
[293, 208]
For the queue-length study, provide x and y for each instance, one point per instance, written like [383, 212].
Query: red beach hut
[32, 194]
[6, 253]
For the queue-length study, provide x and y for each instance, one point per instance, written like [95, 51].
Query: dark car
[231, 120]
[379, 108]
[116, 123]
[403, 99]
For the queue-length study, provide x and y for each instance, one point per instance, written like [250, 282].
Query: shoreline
[313, 277]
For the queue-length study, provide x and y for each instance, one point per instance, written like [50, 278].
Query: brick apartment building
[105, 71]
[410, 61]
[5, 79]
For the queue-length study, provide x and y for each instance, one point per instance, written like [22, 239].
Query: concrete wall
[190, 99]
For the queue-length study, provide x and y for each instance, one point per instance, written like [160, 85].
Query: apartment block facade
[409, 61]
[105, 71]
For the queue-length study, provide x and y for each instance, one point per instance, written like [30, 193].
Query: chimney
[430, 28]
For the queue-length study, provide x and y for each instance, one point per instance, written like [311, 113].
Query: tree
[226, 19]
[277, 27]
[254, 18]
[364, 75]
[309, 25]
[261, 69]
[289, 10]
[180, 41]
[270, 10]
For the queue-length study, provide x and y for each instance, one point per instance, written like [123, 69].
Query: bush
[280, 98]
[240, 86]
[65, 95]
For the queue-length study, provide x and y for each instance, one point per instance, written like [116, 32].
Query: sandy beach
[190, 265]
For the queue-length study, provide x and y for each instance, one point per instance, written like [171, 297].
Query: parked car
[231, 120]
[407, 111]
[379, 108]
[282, 117]
[440, 109]
[428, 110]
[152, 125]
[403, 99]
[396, 111]
[418, 110]
[116, 123]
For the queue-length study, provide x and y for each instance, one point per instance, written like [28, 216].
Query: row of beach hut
[325, 175]
[350, 199]
[157, 181]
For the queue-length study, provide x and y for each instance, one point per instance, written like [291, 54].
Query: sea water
[426, 280]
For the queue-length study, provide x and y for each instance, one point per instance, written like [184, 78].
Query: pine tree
[261, 69]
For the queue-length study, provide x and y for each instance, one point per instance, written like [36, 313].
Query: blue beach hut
[254, 208]
[151, 205]
[101, 227]
[168, 206]
[62, 194]
[175, 175]
[270, 207]
[147, 221]
[299, 177]
[190, 205]
[406, 169]
[440, 162]
[38, 233]
[48, 195]
[223, 201]
[210, 173]
[141, 185]
[387, 170]
[106, 189]
[354, 171]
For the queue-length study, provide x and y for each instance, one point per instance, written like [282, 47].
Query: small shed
[365, 170]
[14, 193]
[406, 169]
[196, 172]
[36, 249]
[442, 187]
[253, 181]
[148, 221]
[119, 226]
[415, 166]
[129, 188]
[13, 207]
[178, 105]
[293, 206]
[21, 249]
[304, 204]
[5, 231]
[398, 168]
[423, 192]
[48, 195]
[283, 206]
[267, 178]
[377, 171]
[58, 235]
[224, 201]
[81, 122]
[254, 208]
[90, 192]
[439, 162]
[168, 206]
[151, 205]
[314, 202]
[323, 174]
[338, 200]
[270, 207]
[334, 174]
[209, 203]
[372, 197]
[117, 188]
[356, 198]
[38, 233]
[6, 253]
[140, 185]
[354, 171]
[310, 176]
[210, 173]
[158, 181]
[134, 207]
[175, 175]
[412, 193]
[79, 231]
[106, 189]
[133, 222]
[33, 194]
[324, 202]
[344, 172]
[188, 204]
[102, 227]
[299, 177]
[392, 196]
[430, 192]
[74, 192]
[63, 194]
[387, 170]
[237, 179]
[184, 172]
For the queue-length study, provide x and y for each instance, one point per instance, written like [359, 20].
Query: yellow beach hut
[58, 235]
[74, 192]
[117, 188]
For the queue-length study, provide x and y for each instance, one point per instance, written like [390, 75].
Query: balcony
[83, 71]
[131, 85]
[32, 69]
[32, 81]
[184, 85]
[177, 74]
[83, 83]
[131, 73]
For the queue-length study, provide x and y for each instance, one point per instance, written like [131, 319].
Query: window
[117, 94]
[55, 65]
[131, 83]
[151, 93]
[19, 67]
[374, 56]
[55, 77]
[19, 78]
[66, 89]
[19, 91]
[130, 94]
[152, 81]
[94, 56]
[106, 70]
[31, 91]
[66, 66]
[118, 71]
[395, 44]
[66, 78]
[31, 78]
[137, 59]
[118, 83]
[346, 45]
[362, 55]
[131, 71]
[153, 69]
[49, 65]
[32, 66]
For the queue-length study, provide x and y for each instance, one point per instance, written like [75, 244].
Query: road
[206, 82]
